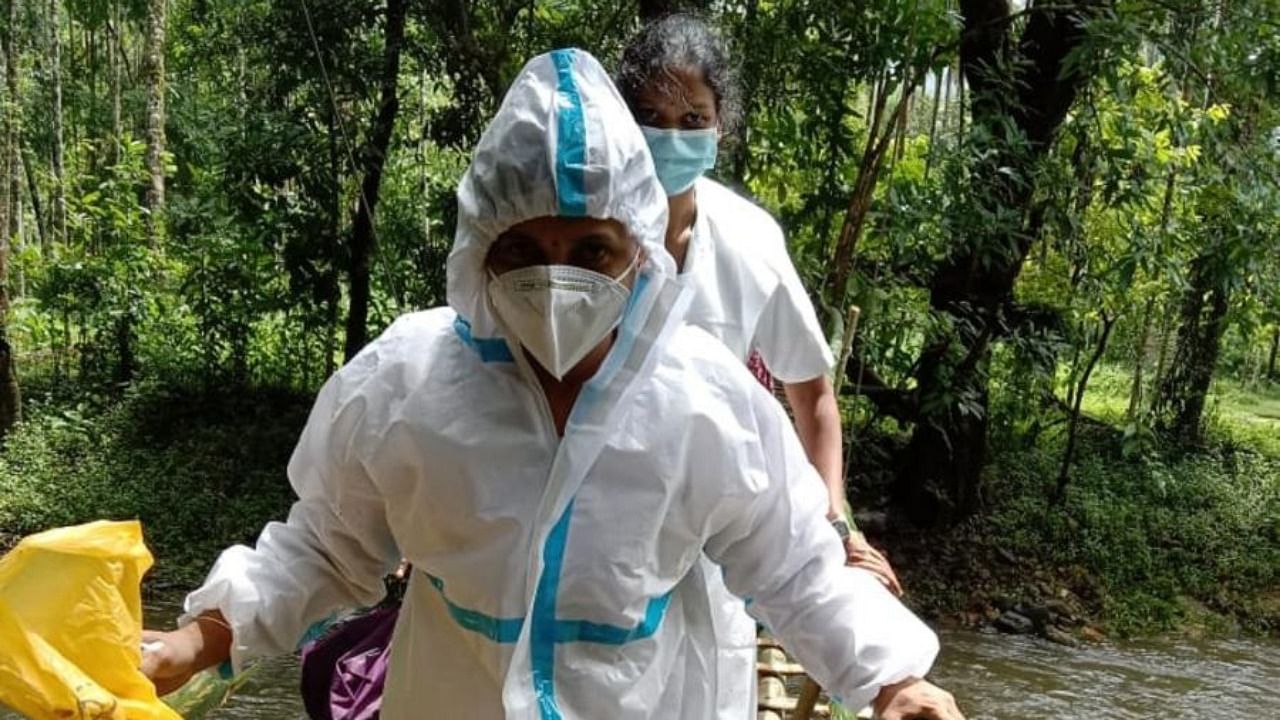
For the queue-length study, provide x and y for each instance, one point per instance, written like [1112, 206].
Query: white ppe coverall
[558, 576]
[746, 292]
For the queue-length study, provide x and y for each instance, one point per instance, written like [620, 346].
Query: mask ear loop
[635, 262]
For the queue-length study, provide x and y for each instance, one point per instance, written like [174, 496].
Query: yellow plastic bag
[71, 625]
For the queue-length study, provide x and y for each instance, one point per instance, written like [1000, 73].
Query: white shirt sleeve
[779, 552]
[788, 335]
[331, 553]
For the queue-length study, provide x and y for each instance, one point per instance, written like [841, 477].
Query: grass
[1247, 417]
[1168, 537]
[1148, 539]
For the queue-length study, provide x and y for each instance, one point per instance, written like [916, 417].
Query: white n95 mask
[559, 313]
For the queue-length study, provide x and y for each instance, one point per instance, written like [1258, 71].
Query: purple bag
[344, 672]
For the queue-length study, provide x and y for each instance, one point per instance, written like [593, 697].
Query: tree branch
[898, 403]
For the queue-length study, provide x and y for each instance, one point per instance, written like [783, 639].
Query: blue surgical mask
[681, 156]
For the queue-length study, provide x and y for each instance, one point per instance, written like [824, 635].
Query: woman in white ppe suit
[553, 452]
[676, 78]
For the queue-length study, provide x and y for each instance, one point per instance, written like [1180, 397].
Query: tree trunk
[59, 181]
[424, 182]
[373, 158]
[880, 135]
[1135, 395]
[114, 52]
[12, 178]
[331, 335]
[13, 132]
[7, 206]
[10, 394]
[750, 83]
[1183, 392]
[952, 73]
[1064, 473]
[153, 72]
[1271, 359]
[900, 141]
[835, 131]
[933, 123]
[1028, 83]
[1162, 354]
[1140, 360]
[126, 365]
[23, 165]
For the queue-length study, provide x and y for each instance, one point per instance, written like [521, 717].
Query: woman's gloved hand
[915, 699]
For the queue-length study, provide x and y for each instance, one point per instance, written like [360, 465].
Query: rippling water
[1000, 677]
[271, 694]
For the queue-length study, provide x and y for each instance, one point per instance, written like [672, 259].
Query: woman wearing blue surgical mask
[676, 78]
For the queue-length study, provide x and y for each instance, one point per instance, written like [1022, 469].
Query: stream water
[1000, 677]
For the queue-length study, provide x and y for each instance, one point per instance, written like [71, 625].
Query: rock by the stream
[1007, 556]
[1038, 615]
[1014, 623]
[1004, 604]
[1092, 634]
[1060, 636]
[1062, 613]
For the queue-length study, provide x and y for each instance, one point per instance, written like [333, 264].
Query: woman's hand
[859, 553]
[915, 699]
[169, 659]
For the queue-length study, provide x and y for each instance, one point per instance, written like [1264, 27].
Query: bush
[1160, 535]
[199, 468]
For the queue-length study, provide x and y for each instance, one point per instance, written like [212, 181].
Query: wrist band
[843, 528]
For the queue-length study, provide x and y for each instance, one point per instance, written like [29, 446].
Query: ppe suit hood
[563, 143]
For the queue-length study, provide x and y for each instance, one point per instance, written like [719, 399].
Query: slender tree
[153, 71]
[115, 55]
[1271, 356]
[59, 200]
[6, 160]
[10, 394]
[373, 158]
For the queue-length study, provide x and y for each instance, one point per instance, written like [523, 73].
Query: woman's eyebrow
[511, 237]
[603, 239]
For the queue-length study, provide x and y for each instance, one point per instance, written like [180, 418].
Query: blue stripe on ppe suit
[571, 139]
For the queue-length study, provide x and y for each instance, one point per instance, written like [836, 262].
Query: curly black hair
[681, 40]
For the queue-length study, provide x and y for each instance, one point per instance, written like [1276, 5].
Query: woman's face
[677, 99]
[589, 243]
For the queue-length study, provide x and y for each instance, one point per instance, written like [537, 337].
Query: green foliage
[1153, 533]
[199, 469]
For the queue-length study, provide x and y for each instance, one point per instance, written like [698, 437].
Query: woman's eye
[647, 116]
[593, 257]
[695, 120]
[509, 256]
